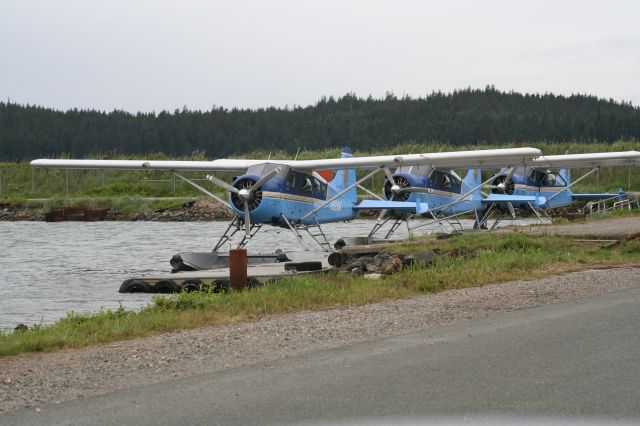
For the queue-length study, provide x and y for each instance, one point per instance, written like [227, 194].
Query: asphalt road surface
[566, 363]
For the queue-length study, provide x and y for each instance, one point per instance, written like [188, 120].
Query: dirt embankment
[199, 210]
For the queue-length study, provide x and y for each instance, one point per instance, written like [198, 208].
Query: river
[48, 269]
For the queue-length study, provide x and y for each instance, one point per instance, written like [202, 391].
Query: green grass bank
[462, 261]
[20, 183]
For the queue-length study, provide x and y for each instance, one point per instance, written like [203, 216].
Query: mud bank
[199, 210]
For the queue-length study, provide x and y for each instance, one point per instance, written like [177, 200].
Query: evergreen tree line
[462, 118]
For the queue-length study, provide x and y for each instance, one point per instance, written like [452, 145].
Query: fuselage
[540, 183]
[438, 188]
[292, 194]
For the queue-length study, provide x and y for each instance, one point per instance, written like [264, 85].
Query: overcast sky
[154, 55]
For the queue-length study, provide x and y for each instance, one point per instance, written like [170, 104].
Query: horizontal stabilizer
[500, 198]
[403, 206]
[592, 197]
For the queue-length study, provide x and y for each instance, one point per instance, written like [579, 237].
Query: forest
[468, 117]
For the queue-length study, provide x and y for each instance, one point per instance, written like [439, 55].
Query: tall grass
[20, 182]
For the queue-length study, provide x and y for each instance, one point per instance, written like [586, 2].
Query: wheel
[135, 286]
[253, 283]
[192, 285]
[219, 286]
[166, 286]
[303, 266]
[337, 259]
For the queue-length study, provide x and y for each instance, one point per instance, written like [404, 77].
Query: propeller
[501, 185]
[247, 193]
[504, 185]
[395, 189]
[222, 184]
[398, 188]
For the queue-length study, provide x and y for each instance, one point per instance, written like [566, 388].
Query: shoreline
[200, 209]
[191, 211]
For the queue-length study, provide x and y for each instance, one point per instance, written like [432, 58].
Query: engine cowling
[401, 182]
[503, 185]
[256, 196]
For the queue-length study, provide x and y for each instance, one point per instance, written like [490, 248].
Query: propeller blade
[222, 184]
[247, 222]
[490, 187]
[387, 172]
[264, 179]
[416, 189]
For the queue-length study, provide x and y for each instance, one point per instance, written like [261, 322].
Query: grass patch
[466, 260]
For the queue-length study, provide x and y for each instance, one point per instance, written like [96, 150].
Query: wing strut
[339, 194]
[373, 194]
[467, 194]
[204, 191]
[571, 184]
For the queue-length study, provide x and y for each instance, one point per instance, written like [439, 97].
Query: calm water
[47, 269]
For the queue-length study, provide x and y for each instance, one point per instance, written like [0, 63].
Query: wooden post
[66, 181]
[237, 269]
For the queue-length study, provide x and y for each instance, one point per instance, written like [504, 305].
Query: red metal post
[237, 269]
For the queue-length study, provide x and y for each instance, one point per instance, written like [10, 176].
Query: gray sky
[155, 55]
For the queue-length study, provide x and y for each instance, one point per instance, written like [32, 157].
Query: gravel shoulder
[610, 227]
[31, 380]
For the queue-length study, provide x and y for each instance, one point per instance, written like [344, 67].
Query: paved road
[578, 359]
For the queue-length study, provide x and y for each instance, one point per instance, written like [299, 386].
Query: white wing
[205, 166]
[489, 158]
[588, 160]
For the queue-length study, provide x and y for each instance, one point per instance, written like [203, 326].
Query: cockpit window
[540, 178]
[307, 188]
[319, 189]
[445, 181]
[552, 179]
[305, 185]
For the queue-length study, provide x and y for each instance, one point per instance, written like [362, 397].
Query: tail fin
[566, 175]
[470, 181]
[343, 179]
